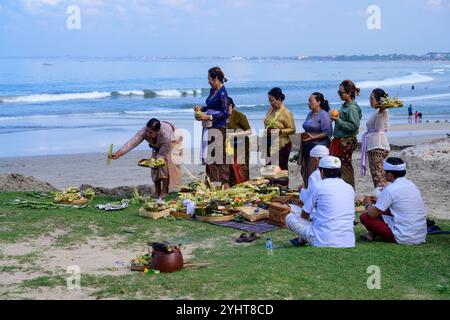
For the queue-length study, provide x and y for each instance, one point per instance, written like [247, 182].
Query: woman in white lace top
[375, 142]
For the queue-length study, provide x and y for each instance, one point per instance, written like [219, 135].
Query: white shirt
[333, 206]
[377, 126]
[408, 221]
[312, 180]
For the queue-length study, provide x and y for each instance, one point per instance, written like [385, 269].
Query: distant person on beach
[412, 87]
[346, 129]
[420, 117]
[279, 120]
[375, 144]
[416, 116]
[318, 131]
[328, 216]
[398, 215]
[214, 117]
[410, 113]
[166, 144]
[238, 122]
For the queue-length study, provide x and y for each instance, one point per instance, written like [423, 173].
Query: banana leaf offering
[152, 163]
[217, 202]
[155, 206]
[74, 195]
[388, 102]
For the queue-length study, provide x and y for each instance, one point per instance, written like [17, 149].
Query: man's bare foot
[367, 236]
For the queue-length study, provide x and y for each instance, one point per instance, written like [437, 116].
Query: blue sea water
[74, 105]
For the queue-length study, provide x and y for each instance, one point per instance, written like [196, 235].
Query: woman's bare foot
[367, 236]
[163, 195]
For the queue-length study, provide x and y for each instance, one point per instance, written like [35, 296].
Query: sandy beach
[431, 175]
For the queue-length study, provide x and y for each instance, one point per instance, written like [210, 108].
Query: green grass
[238, 271]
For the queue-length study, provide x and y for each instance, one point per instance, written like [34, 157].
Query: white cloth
[408, 221]
[190, 207]
[319, 151]
[330, 162]
[333, 207]
[312, 181]
[377, 125]
[300, 226]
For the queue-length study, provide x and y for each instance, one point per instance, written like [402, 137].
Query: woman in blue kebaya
[318, 131]
[214, 117]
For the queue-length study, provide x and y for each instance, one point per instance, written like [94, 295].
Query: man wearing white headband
[398, 215]
[316, 153]
[329, 213]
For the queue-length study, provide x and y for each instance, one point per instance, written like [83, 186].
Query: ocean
[52, 106]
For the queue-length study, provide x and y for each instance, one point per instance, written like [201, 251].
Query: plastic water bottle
[269, 246]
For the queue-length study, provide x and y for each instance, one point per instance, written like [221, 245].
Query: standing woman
[238, 123]
[374, 142]
[216, 112]
[279, 120]
[346, 129]
[318, 131]
[166, 144]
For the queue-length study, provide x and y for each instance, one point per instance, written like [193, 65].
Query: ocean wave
[412, 78]
[47, 97]
[98, 114]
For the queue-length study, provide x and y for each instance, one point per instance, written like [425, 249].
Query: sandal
[242, 238]
[297, 242]
[254, 236]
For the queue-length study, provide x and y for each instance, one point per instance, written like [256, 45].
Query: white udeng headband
[392, 167]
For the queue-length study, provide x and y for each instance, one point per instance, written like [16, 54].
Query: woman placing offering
[166, 145]
[374, 142]
[279, 121]
[214, 116]
[346, 129]
[318, 130]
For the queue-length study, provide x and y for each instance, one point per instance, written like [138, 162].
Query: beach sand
[431, 176]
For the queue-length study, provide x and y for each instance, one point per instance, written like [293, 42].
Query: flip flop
[297, 242]
[254, 236]
[242, 238]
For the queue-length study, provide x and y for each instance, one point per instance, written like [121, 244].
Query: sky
[186, 28]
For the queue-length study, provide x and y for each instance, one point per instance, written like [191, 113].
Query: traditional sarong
[300, 226]
[239, 174]
[343, 149]
[304, 161]
[376, 158]
[364, 150]
[219, 171]
[172, 169]
[378, 227]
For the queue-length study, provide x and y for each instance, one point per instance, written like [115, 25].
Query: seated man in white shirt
[328, 214]
[316, 153]
[398, 216]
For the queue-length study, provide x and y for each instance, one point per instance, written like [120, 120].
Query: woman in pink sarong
[166, 144]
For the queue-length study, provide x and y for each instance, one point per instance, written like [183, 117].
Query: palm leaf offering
[152, 163]
[388, 102]
[213, 200]
[110, 153]
[229, 149]
[272, 124]
[74, 195]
